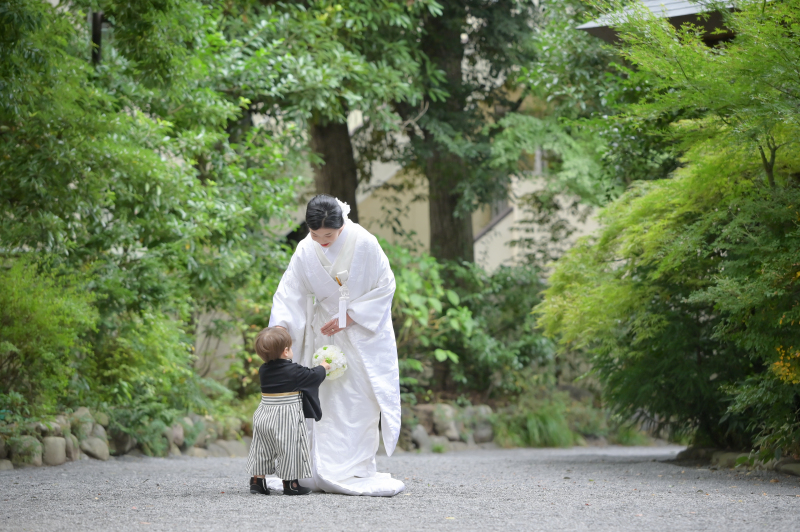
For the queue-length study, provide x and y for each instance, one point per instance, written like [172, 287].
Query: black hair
[324, 211]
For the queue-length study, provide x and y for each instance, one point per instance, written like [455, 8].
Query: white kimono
[344, 442]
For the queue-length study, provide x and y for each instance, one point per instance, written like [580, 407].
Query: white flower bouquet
[333, 356]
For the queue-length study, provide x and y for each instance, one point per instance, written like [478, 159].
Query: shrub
[43, 320]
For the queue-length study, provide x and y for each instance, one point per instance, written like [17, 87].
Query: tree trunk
[337, 176]
[451, 237]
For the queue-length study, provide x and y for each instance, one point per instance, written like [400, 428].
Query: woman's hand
[332, 327]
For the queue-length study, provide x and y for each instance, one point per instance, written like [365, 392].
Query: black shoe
[258, 486]
[293, 487]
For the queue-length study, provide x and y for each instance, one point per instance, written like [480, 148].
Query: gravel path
[597, 489]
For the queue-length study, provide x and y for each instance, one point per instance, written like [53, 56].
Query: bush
[43, 321]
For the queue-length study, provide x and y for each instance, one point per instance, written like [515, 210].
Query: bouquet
[333, 356]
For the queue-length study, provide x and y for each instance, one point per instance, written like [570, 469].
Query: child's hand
[325, 365]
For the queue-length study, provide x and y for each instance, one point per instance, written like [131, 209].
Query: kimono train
[344, 442]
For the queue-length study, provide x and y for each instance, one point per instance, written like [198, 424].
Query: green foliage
[43, 322]
[687, 298]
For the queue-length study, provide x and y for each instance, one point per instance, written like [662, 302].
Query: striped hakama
[280, 439]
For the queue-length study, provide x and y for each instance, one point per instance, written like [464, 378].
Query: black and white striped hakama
[280, 440]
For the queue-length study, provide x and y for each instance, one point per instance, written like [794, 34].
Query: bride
[338, 290]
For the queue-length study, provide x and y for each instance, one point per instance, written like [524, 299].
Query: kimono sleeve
[372, 309]
[288, 303]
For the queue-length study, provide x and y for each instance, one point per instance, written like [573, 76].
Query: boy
[289, 394]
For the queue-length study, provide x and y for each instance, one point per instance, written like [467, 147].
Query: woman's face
[325, 236]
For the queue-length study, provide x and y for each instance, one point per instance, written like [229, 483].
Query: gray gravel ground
[597, 489]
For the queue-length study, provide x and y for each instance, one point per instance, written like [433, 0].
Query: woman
[338, 290]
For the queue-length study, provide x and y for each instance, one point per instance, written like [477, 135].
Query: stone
[177, 434]
[73, 448]
[440, 444]
[102, 419]
[82, 422]
[70, 447]
[25, 451]
[98, 431]
[726, 460]
[120, 443]
[458, 446]
[174, 450]
[47, 428]
[235, 448]
[135, 453]
[695, 453]
[64, 423]
[54, 450]
[789, 469]
[421, 438]
[96, 448]
[3, 449]
[444, 422]
[247, 440]
[232, 428]
[424, 415]
[6, 465]
[196, 452]
[482, 431]
[216, 450]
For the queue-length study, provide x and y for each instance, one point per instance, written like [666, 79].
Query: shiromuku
[338, 291]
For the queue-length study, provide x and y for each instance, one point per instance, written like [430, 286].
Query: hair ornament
[345, 208]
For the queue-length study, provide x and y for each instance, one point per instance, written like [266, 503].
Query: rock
[726, 460]
[3, 449]
[135, 453]
[208, 432]
[25, 451]
[471, 442]
[247, 440]
[444, 422]
[6, 465]
[458, 446]
[99, 432]
[102, 419]
[789, 469]
[420, 437]
[120, 443]
[440, 444]
[232, 429]
[96, 448]
[482, 431]
[196, 452]
[47, 428]
[177, 434]
[597, 441]
[64, 423]
[696, 453]
[174, 450]
[235, 448]
[488, 446]
[424, 415]
[216, 450]
[55, 450]
[71, 448]
[82, 422]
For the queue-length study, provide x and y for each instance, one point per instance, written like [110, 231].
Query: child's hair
[324, 211]
[272, 342]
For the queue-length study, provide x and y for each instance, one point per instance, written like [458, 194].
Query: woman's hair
[324, 211]
[272, 342]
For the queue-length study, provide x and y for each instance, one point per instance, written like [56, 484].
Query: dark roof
[677, 11]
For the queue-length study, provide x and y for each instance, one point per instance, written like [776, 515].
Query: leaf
[453, 298]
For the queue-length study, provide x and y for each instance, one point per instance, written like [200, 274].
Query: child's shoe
[293, 487]
[258, 486]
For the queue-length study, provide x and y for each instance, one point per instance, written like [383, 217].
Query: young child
[289, 394]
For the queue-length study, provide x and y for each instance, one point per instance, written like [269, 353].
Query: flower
[333, 356]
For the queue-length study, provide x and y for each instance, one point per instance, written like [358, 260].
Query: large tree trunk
[451, 237]
[337, 176]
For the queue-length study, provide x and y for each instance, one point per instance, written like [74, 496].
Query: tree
[332, 58]
[687, 299]
[123, 174]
